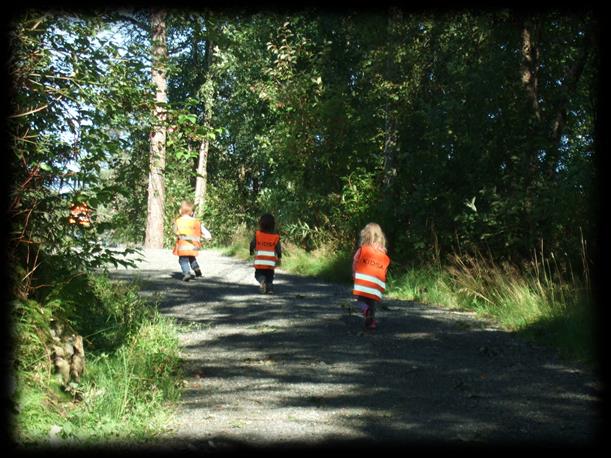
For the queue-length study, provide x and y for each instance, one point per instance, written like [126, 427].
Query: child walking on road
[189, 232]
[369, 268]
[266, 247]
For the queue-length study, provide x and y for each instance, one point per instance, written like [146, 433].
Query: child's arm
[355, 260]
[205, 232]
[278, 251]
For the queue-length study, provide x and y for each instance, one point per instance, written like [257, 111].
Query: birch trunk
[156, 188]
[201, 181]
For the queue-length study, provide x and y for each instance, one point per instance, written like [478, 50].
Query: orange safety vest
[265, 250]
[79, 214]
[189, 232]
[370, 273]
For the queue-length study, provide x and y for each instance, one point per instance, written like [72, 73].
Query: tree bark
[390, 149]
[156, 188]
[529, 73]
[569, 84]
[530, 66]
[391, 145]
[201, 181]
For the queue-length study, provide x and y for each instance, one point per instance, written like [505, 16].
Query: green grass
[422, 284]
[238, 251]
[325, 262]
[126, 392]
[238, 246]
[535, 302]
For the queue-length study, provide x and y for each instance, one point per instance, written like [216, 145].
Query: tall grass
[239, 243]
[126, 390]
[543, 300]
[427, 283]
[327, 262]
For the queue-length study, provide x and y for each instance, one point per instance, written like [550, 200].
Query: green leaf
[187, 119]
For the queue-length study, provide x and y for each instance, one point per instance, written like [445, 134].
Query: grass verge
[325, 262]
[536, 302]
[127, 388]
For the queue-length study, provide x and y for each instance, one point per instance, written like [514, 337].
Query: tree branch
[568, 87]
[132, 20]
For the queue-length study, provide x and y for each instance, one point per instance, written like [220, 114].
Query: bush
[131, 372]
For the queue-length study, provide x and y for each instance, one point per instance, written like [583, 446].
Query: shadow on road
[422, 376]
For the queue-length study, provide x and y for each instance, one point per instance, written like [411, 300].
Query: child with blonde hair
[189, 231]
[369, 267]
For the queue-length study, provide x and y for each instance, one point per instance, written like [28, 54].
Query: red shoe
[372, 325]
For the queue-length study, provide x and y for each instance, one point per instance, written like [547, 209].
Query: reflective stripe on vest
[370, 273]
[365, 289]
[265, 250]
[184, 245]
[189, 234]
[265, 253]
[190, 238]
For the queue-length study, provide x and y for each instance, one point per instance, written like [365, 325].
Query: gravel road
[297, 369]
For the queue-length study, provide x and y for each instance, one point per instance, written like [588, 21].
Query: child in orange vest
[369, 267]
[266, 247]
[80, 214]
[189, 232]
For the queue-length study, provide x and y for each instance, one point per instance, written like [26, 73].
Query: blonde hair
[186, 208]
[373, 235]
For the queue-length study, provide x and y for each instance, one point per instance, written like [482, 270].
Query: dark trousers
[265, 274]
[187, 262]
[366, 302]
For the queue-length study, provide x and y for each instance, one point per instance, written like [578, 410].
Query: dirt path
[295, 368]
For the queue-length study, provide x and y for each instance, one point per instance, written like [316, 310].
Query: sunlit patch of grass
[125, 394]
[422, 284]
[536, 301]
[326, 263]
[239, 244]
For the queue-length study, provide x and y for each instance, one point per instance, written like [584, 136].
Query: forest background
[472, 137]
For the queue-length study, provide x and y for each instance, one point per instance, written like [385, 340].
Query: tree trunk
[391, 145]
[390, 149]
[156, 187]
[201, 182]
[529, 75]
[530, 66]
[569, 85]
[530, 34]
